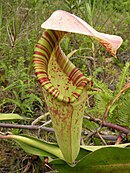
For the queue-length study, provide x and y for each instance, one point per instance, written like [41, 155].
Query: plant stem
[28, 127]
[107, 124]
[116, 127]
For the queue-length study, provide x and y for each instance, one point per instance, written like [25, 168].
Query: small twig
[104, 136]
[96, 120]
[46, 123]
[107, 124]
[43, 125]
[119, 139]
[39, 118]
[100, 136]
[116, 127]
[28, 127]
[27, 167]
[93, 133]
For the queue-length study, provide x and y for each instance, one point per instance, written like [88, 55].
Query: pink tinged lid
[63, 21]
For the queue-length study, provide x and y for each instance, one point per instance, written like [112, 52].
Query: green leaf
[10, 116]
[36, 146]
[123, 77]
[71, 53]
[105, 160]
[82, 153]
[34, 150]
[94, 148]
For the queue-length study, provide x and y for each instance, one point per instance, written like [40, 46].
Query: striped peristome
[46, 46]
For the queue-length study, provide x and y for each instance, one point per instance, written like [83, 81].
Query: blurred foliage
[99, 100]
[20, 29]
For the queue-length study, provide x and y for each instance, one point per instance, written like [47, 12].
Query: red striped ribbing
[44, 81]
[40, 53]
[75, 94]
[43, 37]
[43, 48]
[73, 73]
[79, 76]
[50, 38]
[40, 72]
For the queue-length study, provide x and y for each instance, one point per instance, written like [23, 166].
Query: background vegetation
[20, 29]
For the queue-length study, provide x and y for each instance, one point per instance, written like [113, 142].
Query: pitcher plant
[64, 85]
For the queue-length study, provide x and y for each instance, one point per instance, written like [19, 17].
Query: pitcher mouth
[49, 55]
